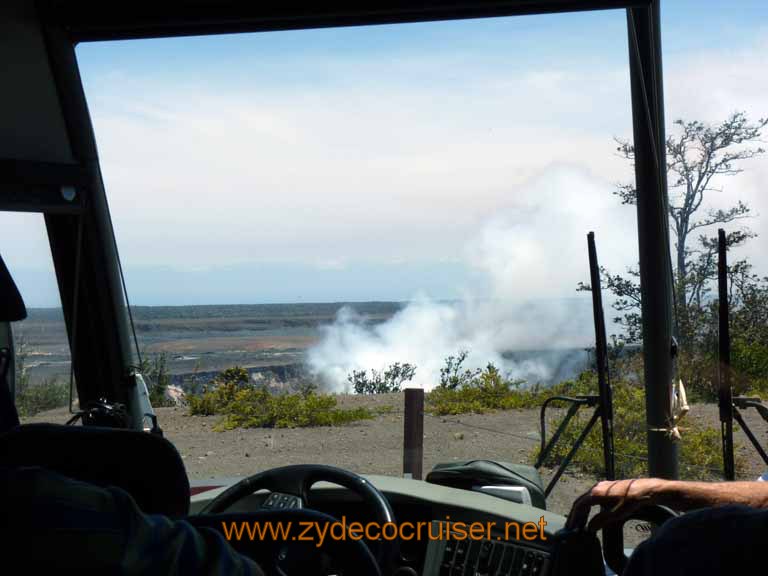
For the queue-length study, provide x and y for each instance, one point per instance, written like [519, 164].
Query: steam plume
[525, 301]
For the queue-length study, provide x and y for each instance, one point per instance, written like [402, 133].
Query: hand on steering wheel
[297, 481]
[624, 500]
[621, 501]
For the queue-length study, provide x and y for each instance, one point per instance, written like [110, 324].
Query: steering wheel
[294, 482]
[613, 541]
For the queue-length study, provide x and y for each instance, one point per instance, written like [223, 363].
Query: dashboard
[485, 557]
[510, 539]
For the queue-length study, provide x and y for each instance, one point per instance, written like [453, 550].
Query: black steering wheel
[293, 483]
[613, 541]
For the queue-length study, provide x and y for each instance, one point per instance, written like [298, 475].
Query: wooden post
[413, 433]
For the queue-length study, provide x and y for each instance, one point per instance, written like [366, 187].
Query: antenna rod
[725, 395]
[601, 355]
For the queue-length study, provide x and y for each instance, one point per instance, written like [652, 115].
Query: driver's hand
[622, 497]
[638, 489]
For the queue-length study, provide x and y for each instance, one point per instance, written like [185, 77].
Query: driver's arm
[680, 495]
[53, 524]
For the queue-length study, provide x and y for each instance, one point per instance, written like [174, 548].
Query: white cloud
[708, 86]
[396, 159]
[365, 173]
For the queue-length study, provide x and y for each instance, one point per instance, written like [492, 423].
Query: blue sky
[383, 162]
[687, 25]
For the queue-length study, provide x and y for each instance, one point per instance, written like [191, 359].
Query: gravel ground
[375, 446]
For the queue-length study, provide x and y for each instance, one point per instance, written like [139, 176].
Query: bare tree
[698, 154]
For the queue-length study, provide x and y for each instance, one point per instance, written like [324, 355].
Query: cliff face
[277, 378]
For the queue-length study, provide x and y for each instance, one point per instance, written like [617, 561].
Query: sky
[391, 162]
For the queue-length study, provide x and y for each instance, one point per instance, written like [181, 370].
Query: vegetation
[34, 398]
[452, 376]
[381, 382]
[157, 377]
[46, 395]
[489, 391]
[244, 405]
[700, 449]
[699, 155]
[749, 340]
[486, 390]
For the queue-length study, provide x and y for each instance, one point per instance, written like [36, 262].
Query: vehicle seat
[474, 473]
[145, 465]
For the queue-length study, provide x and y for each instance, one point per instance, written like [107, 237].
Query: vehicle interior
[49, 165]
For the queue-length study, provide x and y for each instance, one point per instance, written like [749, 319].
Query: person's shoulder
[733, 524]
[704, 542]
[703, 517]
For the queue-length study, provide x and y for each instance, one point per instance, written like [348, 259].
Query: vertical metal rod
[601, 355]
[724, 394]
[643, 24]
[413, 433]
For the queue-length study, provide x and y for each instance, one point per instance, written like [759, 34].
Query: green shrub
[699, 374]
[381, 382]
[32, 398]
[750, 367]
[700, 449]
[451, 374]
[757, 387]
[749, 364]
[244, 405]
[260, 409]
[477, 399]
[220, 393]
[157, 377]
[47, 395]
[489, 391]
[234, 375]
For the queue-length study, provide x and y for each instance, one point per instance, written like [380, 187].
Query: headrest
[12, 307]
[146, 466]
